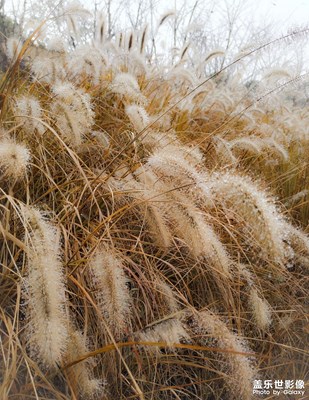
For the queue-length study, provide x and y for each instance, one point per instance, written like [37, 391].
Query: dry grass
[153, 231]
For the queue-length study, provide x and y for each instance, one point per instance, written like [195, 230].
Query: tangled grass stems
[147, 268]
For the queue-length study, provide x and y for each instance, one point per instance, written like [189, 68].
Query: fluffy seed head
[138, 116]
[151, 203]
[190, 225]
[72, 111]
[168, 295]
[126, 85]
[264, 225]
[170, 332]
[80, 374]
[29, 106]
[14, 158]
[48, 69]
[239, 367]
[177, 167]
[261, 310]
[87, 60]
[44, 290]
[110, 283]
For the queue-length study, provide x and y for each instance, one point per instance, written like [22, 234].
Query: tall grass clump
[154, 225]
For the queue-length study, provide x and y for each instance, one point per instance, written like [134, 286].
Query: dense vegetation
[153, 226]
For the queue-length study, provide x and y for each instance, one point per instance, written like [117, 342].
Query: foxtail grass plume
[212, 331]
[168, 296]
[138, 116]
[111, 290]
[260, 309]
[176, 166]
[72, 111]
[157, 221]
[49, 69]
[299, 244]
[224, 153]
[151, 203]
[191, 226]
[87, 61]
[253, 145]
[44, 290]
[126, 85]
[170, 332]
[14, 158]
[28, 111]
[80, 374]
[263, 223]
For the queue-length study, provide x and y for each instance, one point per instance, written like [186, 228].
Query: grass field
[154, 227]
